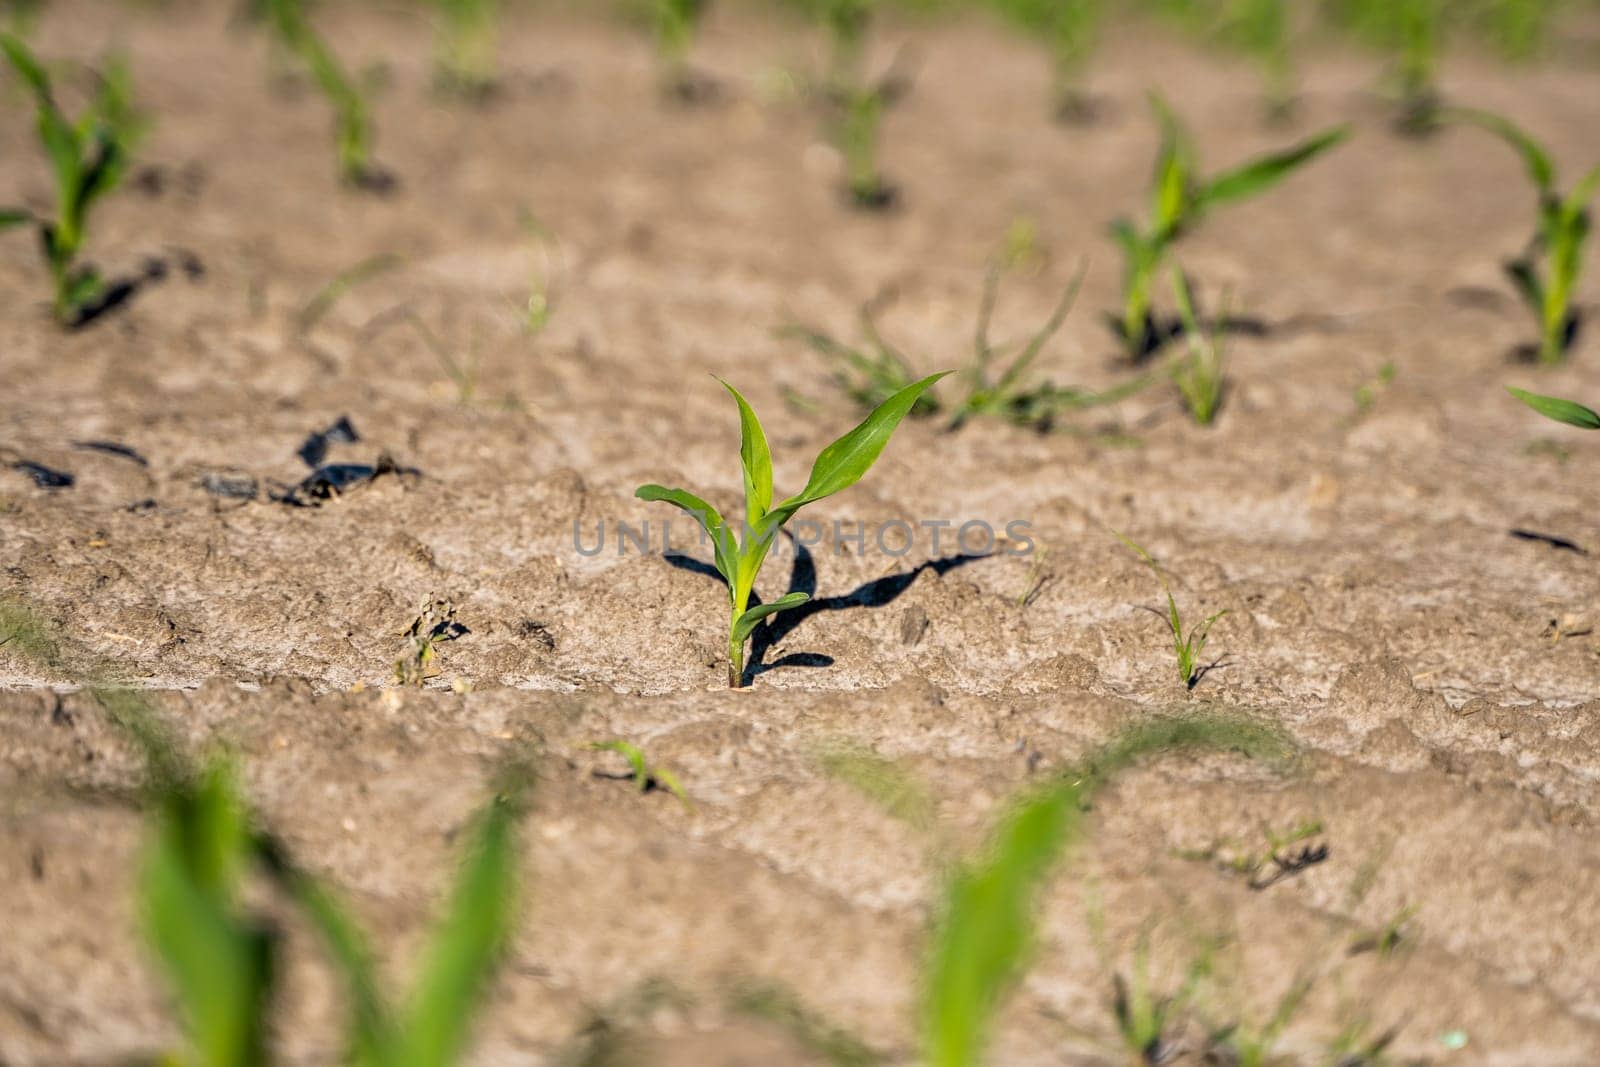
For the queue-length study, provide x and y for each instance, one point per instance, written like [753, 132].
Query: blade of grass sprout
[329, 295]
[1051, 327]
[1567, 411]
[634, 756]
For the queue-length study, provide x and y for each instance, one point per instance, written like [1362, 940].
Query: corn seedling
[464, 62]
[858, 116]
[1179, 200]
[1573, 414]
[323, 300]
[435, 624]
[462, 372]
[1189, 646]
[352, 116]
[739, 560]
[675, 24]
[1387, 940]
[1519, 29]
[983, 932]
[1070, 29]
[644, 774]
[1262, 30]
[1413, 31]
[1198, 374]
[1562, 230]
[88, 158]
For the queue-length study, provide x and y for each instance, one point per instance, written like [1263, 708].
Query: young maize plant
[857, 119]
[984, 930]
[1262, 29]
[1567, 411]
[1198, 374]
[1179, 200]
[1070, 29]
[88, 158]
[352, 117]
[1187, 646]
[465, 59]
[1414, 31]
[1562, 229]
[738, 559]
[1520, 29]
[676, 22]
[645, 775]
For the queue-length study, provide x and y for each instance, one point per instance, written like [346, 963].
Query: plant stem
[735, 663]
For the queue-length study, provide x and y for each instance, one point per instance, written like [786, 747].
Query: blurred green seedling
[1180, 198]
[1366, 394]
[676, 23]
[1198, 373]
[1546, 273]
[984, 933]
[739, 559]
[1145, 1016]
[1519, 29]
[222, 959]
[1413, 33]
[1250, 1041]
[858, 117]
[645, 775]
[353, 134]
[1567, 411]
[88, 158]
[1187, 645]
[1070, 29]
[464, 62]
[1263, 30]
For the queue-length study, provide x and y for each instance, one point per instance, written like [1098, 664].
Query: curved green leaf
[1578, 200]
[10, 217]
[745, 624]
[756, 459]
[722, 544]
[1567, 411]
[1260, 174]
[1534, 158]
[844, 462]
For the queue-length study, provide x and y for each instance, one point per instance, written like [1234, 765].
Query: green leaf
[756, 459]
[631, 753]
[985, 933]
[1578, 200]
[468, 943]
[220, 964]
[1260, 174]
[1534, 158]
[11, 217]
[726, 552]
[22, 61]
[1524, 276]
[844, 462]
[746, 623]
[1573, 414]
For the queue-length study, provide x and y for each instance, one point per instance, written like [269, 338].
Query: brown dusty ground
[1440, 674]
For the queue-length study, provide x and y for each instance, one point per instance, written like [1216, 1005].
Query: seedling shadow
[118, 292]
[877, 593]
[1528, 353]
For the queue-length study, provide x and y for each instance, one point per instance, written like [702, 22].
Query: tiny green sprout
[1070, 29]
[1248, 1042]
[462, 372]
[1573, 414]
[88, 158]
[1562, 230]
[464, 62]
[869, 374]
[675, 24]
[838, 466]
[1388, 939]
[1413, 31]
[1144, 1017]
[1188, 647]
[1366, 394]
[1262, 30]
[644, 774]
[435, 624]
[1179, 199]
[1198, 374]
[352, 115]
